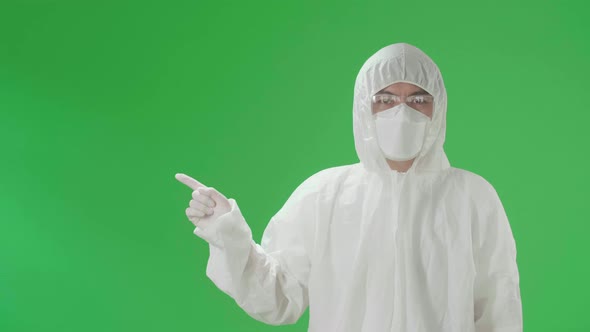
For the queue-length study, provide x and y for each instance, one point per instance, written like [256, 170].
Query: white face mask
[401, 131]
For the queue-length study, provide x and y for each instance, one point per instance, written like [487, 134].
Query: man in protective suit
[400, 241]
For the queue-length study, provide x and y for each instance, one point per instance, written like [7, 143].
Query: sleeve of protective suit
[268, 281]
[497, 302]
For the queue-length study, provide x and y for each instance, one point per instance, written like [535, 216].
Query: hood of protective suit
[399, 62]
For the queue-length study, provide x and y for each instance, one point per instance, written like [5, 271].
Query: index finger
[187, 180]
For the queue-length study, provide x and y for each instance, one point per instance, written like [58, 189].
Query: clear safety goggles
[383, 101]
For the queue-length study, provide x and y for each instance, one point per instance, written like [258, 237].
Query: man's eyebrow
[419, 92]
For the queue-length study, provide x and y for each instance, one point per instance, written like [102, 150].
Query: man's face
[405, 90]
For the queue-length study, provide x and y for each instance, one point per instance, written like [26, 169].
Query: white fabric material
[369, 249]
[400, 131]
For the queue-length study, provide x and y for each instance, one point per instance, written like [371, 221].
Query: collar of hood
[400, 62]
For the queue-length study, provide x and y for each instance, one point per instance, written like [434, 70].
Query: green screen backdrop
[101, 103]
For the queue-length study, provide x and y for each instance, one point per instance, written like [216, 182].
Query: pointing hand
[206, 205]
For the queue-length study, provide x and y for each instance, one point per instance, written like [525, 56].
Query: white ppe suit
[370, 249]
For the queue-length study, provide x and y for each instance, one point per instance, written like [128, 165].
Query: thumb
[216, 195]
[187, 180]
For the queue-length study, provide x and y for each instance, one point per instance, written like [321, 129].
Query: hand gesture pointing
[206, 205]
